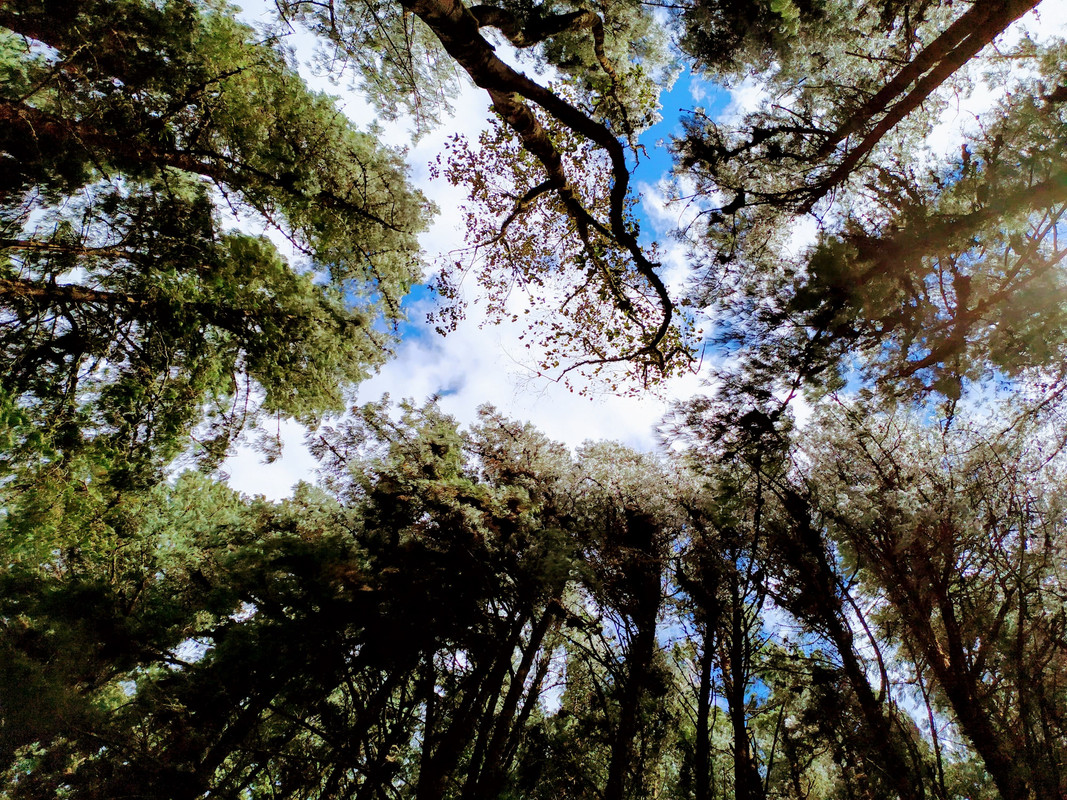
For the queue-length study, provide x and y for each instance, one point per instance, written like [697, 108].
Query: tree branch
[51, 133]
[979, 32]
[458, 30]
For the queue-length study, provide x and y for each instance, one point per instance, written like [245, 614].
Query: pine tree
[134, 313]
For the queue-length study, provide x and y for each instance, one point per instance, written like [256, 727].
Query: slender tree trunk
[702, 765]
[812, 567]
[747, 782]
[515, 736]
[951, 667]
[481, 693]
[898, 773]
[919, 594]
[377, 775]
[486, 774]
[644, 578]
[356, 737]
[639, 659]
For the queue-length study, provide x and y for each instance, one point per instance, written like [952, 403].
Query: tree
[722, 574]
[757, 566]
[775, 611]
[928, 273]
[956, 529]
[132, 311]
[394, 632]
[330, 632]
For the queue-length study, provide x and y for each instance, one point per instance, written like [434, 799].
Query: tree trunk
[747, 782]
[702, 766]
[950, 665]
[992, 17]
[813, 568]
[643, 576]
[481, 692]
[486, 775]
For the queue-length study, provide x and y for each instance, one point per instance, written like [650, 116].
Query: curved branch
[521, 207]
[458, 30]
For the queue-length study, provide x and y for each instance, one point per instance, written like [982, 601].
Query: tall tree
[234, 645]
[956, 529]
[132, 311]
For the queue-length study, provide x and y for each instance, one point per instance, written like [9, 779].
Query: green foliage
[395, 59]
[133, 312]
[930, 272]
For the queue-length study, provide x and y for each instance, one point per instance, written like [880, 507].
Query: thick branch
[942, 233]
[458, 30]
[37, 246]
[537, 31]
[976, 17]
[978, 35]
[545, 28]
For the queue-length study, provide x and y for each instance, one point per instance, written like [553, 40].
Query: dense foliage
[872, 604]
[133, 308]
[876, 610]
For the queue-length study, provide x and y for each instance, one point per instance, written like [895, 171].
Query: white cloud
[468, 368]
[745, 98]
[249, 474]
[802, 235]
[476, 365]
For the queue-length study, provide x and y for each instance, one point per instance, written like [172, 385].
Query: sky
[476, 364]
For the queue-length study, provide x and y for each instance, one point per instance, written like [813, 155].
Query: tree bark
[481, 692]
[747, 782]
[487, 772]
[643, 577]
[813, 568]
[702, 757]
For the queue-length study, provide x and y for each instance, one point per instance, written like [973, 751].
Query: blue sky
[675, 103]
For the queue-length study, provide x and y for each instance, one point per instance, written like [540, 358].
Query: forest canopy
[868, 600]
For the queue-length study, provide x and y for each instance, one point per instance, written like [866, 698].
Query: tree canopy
[136, 137]
[864, 601]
